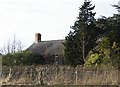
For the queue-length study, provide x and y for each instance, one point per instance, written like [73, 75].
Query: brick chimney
[37, 37]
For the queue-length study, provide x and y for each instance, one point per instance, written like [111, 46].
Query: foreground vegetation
[59, 86]
[59, 75]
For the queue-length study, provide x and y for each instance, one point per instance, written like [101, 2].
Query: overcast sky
[51, 18]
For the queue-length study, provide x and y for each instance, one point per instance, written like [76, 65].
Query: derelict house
[52, 51]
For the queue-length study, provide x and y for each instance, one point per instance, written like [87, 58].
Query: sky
[51, 18]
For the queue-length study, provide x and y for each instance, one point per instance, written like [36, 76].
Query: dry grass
[59, 75]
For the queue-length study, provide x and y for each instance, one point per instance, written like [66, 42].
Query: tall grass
[59, 75]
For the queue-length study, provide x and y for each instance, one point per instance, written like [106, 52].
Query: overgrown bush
[22, 58]
[104, 54]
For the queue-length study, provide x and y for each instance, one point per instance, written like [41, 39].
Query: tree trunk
[83, 48]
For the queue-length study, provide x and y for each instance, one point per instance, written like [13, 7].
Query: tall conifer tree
[82, 39]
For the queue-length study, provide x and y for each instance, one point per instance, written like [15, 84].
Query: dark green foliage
[93, 42]
[107, 52]
[72, 56]
[104, 54]
[82, 39]
[22, 58]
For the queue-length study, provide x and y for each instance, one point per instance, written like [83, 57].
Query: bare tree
[19, 46]
[8, 46]
[1, 51]
[12, 46]
[4, 49]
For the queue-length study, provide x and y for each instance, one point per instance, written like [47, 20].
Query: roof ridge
[53, 40]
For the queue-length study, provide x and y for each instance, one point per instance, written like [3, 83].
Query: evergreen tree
[107, 52]
[83, 37]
